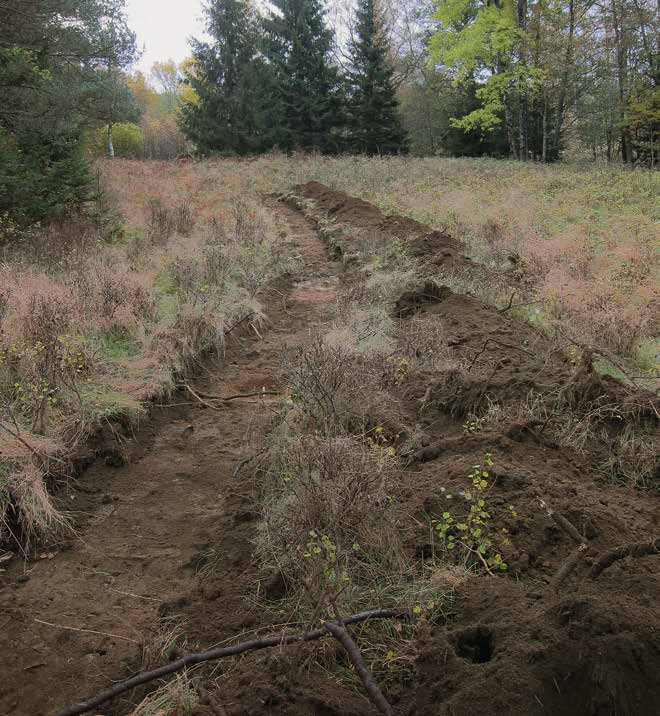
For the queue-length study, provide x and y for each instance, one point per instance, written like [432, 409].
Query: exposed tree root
[637, 549]
[567, 526]
[222, 652]
[568, 567]
[376, 695]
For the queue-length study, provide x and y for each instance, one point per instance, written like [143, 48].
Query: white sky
[163, 28]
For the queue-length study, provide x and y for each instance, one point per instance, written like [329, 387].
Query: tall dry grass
[94, 322]
[584, 238]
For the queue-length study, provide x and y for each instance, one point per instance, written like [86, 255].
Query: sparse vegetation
[423, 357]
[109, 324]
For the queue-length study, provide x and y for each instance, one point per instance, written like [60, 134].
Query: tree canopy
[60, 72]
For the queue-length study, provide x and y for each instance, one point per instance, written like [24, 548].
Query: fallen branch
[376, 695]
[568, 567]
[502, 345]
[518, 305]
[199, 398]
[637, 549]
[567, 526]
[221, 653]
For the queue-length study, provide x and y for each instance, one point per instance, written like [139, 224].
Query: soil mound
[588, 653]
[523, 642]
[420, 240]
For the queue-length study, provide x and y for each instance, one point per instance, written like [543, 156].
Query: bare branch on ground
[221, 653]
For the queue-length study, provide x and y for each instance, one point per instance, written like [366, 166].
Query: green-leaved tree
[228, 107]
[55, 57]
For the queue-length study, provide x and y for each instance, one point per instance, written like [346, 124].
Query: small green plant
[379, 440]
[401, 367]
[322, 553]
[475, 534]
[473, 426]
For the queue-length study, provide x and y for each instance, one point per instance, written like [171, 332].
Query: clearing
[395, 439]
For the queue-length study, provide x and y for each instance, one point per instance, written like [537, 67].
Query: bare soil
[145, 529]
[511, 645]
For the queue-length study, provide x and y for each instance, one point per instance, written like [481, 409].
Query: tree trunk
[622, 73]
[563, 89]
[544, 130]
[522, 99]
[111, 146]
[508, 118]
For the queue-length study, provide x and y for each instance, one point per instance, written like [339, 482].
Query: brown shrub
[24, 500]
[332, 494]
[341, 391]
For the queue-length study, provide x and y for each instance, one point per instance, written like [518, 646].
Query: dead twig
[226, 398]
[518, 305]
[573, 559]
[87, 631]
[199, 398]
[246, 461]
[482, 350]
[567, 526]
[26, 444]
[220, 653]
[376, 695]
[238, 323]
[637, 549]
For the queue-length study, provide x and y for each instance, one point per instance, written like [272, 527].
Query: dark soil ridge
[515, 645]
[438, 246]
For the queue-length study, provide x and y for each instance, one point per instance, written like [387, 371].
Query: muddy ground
[167, 536]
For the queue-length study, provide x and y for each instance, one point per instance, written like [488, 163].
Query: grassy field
[108, 310]
[585, 238]
[429, 416]
[100, 315]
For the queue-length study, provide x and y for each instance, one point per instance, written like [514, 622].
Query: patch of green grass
[114, 345]
[648, 355]
[102, 401]
[164, 283]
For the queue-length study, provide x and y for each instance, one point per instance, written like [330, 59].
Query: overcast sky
[163, 28]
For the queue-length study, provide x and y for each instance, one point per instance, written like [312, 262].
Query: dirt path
[150, 522]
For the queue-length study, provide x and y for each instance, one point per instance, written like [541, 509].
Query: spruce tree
[306, 101]
[373, 108]
[228, 79]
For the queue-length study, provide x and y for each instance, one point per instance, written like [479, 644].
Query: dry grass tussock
[176, 696]
[625, 449]
[110, 319]
[332, 530]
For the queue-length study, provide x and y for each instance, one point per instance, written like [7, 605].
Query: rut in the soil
[73, 621]
[509, 645]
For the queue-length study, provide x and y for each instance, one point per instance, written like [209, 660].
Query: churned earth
[168, 535]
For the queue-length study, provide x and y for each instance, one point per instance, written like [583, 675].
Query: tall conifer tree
[374, 120]
[228, 79]
[306, 101]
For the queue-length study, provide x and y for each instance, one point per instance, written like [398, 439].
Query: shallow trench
[72, 620]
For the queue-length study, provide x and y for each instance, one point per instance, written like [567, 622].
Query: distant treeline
[533, 80]
[273, 80]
